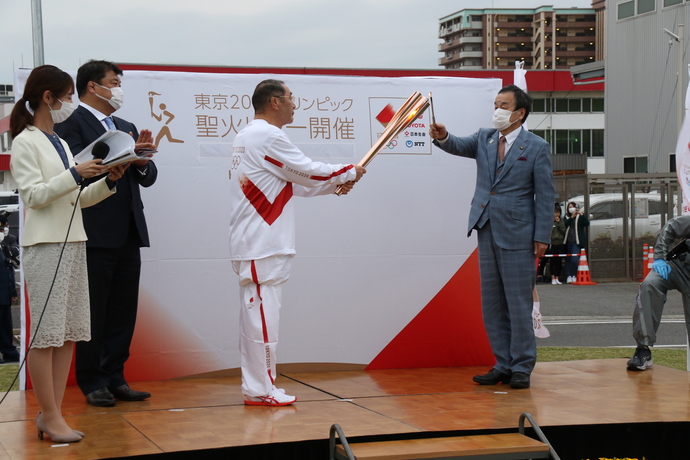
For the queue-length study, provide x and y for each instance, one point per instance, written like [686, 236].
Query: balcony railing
[470, 54]
[506, 39]
[575, 39]
[471, 39]
[575, 24]
[513, 54]
[581, 54]
[513, 25]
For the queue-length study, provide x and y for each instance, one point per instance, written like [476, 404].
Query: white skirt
[67, 315]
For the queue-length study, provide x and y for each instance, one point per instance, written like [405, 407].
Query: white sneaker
[558, 281]
[570, 279]
[554, 281]
[274, 398]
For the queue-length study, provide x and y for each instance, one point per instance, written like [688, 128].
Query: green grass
[674, 358]
[7, 373]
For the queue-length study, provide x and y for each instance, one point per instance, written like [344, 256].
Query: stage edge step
[503, 446]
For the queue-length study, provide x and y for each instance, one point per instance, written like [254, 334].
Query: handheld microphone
[100, 150]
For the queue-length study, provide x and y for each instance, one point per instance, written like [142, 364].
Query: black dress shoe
[519, 380]
[494, 377]
[125, 393]
[101, 398]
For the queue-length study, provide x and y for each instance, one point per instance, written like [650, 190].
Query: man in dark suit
[9, 253]
[116, 229]
[512, 212]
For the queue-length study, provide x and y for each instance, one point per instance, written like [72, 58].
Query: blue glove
[661, 267]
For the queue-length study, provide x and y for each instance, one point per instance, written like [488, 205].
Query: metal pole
[37, 32]
[679, 83]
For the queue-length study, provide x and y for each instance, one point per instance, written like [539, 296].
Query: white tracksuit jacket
[269, 171]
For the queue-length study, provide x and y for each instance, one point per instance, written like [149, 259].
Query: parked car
[9, 204]
[606, 213]
[9, 199]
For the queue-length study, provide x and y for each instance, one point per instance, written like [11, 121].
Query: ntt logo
[409, 144]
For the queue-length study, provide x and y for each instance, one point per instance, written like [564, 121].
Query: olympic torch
[412, 109]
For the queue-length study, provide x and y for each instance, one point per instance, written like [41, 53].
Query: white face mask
[6, 231]
[116, 96]
[572, 210]
[62, 113]
[501, 119]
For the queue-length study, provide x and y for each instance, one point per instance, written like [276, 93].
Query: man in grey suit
[512, 212]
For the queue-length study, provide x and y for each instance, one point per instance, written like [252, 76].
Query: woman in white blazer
[49, 183]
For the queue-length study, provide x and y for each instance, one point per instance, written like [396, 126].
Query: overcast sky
[397, 34]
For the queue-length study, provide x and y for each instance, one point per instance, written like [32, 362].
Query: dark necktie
[501, 149]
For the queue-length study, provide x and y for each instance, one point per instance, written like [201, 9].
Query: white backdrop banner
[367, 263]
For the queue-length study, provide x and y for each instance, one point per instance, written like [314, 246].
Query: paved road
[593, 316]
[601, 316]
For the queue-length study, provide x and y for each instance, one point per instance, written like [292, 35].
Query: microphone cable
[23, 361]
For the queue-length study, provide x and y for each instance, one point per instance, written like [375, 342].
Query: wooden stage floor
[204, 413]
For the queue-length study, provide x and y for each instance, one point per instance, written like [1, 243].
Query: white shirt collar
[96, 113]
[511, 136]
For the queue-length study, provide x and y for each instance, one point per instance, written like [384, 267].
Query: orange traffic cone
[645, 264]
[650, 260]
[583, 277]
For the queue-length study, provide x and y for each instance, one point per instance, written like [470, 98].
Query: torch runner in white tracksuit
[267, 171]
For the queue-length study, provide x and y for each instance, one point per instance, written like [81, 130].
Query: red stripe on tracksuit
[319, 178]
[255, 279]
[269, 211]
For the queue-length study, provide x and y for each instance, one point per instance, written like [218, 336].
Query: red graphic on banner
[448, 332]
[385, 115]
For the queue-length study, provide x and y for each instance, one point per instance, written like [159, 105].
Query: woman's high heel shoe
[80, 433]
[74, 437]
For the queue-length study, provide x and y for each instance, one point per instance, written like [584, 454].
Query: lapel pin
[491, 141]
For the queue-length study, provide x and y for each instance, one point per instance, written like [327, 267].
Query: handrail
[331, 442]
[537, 430]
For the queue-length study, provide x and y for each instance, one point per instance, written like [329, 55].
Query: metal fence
[625, 211]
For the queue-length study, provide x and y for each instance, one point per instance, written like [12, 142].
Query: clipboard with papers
[113, 147]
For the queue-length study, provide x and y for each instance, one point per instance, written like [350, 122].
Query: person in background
[53, 236]
[556, 247]
[575, 239]
[8, 291]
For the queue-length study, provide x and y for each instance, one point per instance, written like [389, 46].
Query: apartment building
[544, 38]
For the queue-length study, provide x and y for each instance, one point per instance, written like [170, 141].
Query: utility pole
[680, 100]
[681, 72]
[37, 32]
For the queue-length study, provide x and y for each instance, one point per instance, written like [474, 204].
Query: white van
[9, 201]
[606, 214]
[9, 204]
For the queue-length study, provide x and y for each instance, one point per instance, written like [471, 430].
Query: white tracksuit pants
[260, 296]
